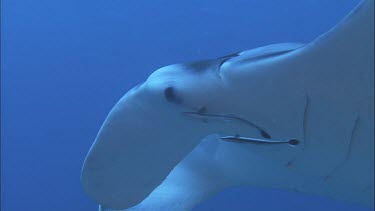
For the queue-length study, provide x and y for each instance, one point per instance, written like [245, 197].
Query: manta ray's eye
[170, 95]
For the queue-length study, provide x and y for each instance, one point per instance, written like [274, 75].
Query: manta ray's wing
[194, 179]
[149, 131]
[336, 74]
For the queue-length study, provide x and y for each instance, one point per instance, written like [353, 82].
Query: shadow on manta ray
[288, 116]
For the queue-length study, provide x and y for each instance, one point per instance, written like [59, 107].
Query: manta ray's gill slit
[203, 113]
[355, 127]
[304, 126]
[304, 121]
[348, 152]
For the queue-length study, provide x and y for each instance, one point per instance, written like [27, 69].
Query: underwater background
[65, 63]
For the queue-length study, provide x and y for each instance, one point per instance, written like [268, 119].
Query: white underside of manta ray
[287, 116]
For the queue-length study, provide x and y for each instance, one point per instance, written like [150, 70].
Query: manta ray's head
[146, 134]
[155, 125]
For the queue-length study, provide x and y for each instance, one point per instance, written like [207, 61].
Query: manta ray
[289, 116]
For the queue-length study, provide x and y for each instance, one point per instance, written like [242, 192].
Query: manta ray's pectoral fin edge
[348, 152]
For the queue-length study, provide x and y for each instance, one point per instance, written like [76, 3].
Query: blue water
[65, 63]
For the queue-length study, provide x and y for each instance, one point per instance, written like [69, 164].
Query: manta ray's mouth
[237, 138]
